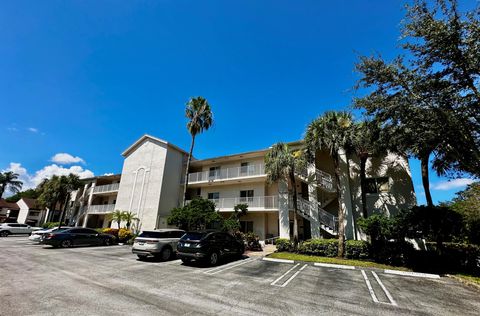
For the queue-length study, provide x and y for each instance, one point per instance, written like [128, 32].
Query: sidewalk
[268, 249]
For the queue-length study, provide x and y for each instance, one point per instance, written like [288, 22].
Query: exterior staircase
[328, 221]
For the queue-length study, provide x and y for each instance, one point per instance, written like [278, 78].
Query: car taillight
[51, 235]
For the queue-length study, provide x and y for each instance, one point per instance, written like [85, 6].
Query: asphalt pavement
[40, 280]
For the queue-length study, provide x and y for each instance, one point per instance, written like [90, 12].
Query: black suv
[208, 246]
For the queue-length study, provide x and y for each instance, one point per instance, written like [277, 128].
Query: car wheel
[67, 243]
[213, 258]
[166, 254]
[141, 257]
[107, 242]
[4, 233]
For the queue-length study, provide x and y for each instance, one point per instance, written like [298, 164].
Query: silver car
[161, 243]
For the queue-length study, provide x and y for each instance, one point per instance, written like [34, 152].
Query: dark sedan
[208, 247]
[77, 237]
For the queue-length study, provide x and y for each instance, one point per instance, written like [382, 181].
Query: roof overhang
[153, 139]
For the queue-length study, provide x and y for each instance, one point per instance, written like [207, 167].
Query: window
[246, 196]
[214, 196]
[377, 185]
[246, 226]
[214, 172]
[33, 213]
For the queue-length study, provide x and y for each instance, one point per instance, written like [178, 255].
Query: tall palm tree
[49, 195]
[66, 185]
[9, 180]
[200, 119]
[366, 142]
[129, 217]
[117, 216]
[332, 132]
[280, 164]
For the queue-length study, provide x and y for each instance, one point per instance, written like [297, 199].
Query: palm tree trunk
[186, 170]
[2, 190]
[425, 180]
[62, 214]
[363, 162]
[295, 209]
[341, 213]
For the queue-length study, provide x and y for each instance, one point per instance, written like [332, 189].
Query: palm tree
[8, 180]
[332, 132]
[49, 195]
[280, 164]
[200, 119]
[66, 185]
[129, 217]
[365, 142]
[117, 216]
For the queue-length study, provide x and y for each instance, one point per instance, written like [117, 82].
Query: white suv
[161, 243]
[14, 228]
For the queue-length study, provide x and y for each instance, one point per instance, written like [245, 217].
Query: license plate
[141, 243]
[187, 245]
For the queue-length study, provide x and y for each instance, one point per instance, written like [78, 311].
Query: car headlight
[197, 246]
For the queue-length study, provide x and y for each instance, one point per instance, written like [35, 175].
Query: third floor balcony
[220, 175]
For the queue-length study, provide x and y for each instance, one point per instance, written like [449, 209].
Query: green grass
[468, 278]
[348, 262]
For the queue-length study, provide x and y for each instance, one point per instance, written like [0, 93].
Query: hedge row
[354, 249]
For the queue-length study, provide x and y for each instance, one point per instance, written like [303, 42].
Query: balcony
[101, 209]
[226, 174]
[257, 203]
[322, 179]
[108, 188]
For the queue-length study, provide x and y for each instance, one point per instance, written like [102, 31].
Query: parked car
[15, 228]
[161, 243]
[78, 237]
[208, 247]
[39, 234]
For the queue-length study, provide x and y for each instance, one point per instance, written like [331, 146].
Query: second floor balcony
[225, 174]
[99, 209]
[257, 203]
[107, 188]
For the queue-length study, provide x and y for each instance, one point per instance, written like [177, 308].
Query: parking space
[110, 280]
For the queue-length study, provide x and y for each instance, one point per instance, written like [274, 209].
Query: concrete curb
[336, 266]
[278, 260]
[465, 281]
[413, 274]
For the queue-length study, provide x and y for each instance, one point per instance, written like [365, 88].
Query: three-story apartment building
[151, 184]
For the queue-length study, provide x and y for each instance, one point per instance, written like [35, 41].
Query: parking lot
[38, 280]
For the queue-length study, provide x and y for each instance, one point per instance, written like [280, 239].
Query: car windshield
[193, 236]
[150, 234]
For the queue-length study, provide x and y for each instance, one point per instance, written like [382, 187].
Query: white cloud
[32, 129]
[451, 184]
[66, 159]
[32, 180]
[108, 174]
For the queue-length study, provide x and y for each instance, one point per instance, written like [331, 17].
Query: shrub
[124, 235]
[110, 231]
[284, 244]
[319, 247]
[357, 249]
[48, 225]
[395, 253]
[252, 242]
[453, 257]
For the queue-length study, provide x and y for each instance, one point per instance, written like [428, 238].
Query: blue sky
[87, 78]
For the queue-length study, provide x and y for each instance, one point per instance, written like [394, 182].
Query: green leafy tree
[332, 132]
[65, 186]
[467, 203]
[429, 104]
[29, 193]
[232, 224]
[281, 163]
[199, 214]
[200, 118]
[9, 180]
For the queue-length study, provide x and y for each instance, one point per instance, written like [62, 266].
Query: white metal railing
[227, 173]
[106, 188]
[306, 209]
[322, 178]
[262, 202]
[101, 209]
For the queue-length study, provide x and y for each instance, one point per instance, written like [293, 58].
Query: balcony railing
[307, 208]
[101, 209]
[322, 178]
[106, 188]
[227, 173]
[261, 202]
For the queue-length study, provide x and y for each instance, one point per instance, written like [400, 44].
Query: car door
[89, 237]
[15, 229]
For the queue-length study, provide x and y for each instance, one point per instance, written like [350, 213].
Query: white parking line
[413, 274]
[390, 298]
[293, 276]
[228, 267]
[336, 266]
[369, 286]
[278, 260]
[283, 275]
